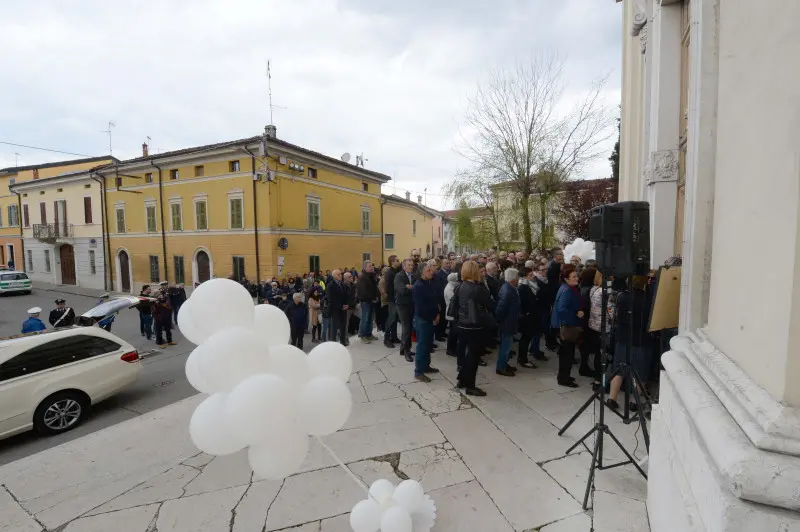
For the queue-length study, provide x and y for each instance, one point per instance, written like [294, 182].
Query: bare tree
[522, 130]
[473, 188]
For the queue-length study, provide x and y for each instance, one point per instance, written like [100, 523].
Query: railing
[52, 232]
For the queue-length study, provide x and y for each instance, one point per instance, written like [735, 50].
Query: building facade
[710, 136]
[409, 225]
[254, 208]
[62, 229]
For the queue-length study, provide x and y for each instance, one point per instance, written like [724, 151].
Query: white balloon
[396, 519]
[281, 456]
[260, 407]
[209, 428]
[186, 325]
[272, 325]
[325, 404]
[366, 516]
[218, 304]
[229, 357]
[194, 375]
[291, 363]
[409, 494]
[381, 490]
[331, 358]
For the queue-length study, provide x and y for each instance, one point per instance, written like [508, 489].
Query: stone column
[726, 433]
[631, 141]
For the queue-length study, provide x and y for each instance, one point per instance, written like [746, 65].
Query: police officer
[33, 323]
[61, 316]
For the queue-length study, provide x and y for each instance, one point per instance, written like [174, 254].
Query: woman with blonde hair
[473, 315]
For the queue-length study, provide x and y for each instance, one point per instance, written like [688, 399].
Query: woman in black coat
[529, 318]
[474, 308]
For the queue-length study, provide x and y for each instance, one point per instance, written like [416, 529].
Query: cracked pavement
[491, 463]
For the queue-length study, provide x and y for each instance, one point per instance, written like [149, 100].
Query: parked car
[14, 281]
[50, 379]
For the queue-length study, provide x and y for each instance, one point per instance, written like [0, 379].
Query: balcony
[52, 233]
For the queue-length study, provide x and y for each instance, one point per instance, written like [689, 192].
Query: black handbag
[452, 310]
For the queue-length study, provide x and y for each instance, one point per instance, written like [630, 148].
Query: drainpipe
[161, 210]
[255, 213]
[383, 232]
[20, 219]
[104, 226]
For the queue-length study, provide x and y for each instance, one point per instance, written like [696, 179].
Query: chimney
[144, 149]
[419, 200]
[408, 196]
[271, 131]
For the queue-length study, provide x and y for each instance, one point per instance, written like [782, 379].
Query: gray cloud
[387, 78]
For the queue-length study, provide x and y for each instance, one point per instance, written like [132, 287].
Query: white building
[449, 235]
[62, 230]
[711, 138]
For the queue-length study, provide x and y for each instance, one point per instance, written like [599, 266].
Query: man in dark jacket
[493, 281]
[61, 316]
[426, 316]
[177, 296]
[507, 314]
[162, 315]
[367, 294]
[350, 324]
[390, 330]
[403, 282]
[440, 281]
[297, 312]
[336, 293]
[553, 282]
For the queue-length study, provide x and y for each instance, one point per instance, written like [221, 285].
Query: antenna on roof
[108, 131]
[269, 87]
[360, 160]
[16, 159]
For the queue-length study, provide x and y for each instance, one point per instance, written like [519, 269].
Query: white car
[49, 379]
[13, 281]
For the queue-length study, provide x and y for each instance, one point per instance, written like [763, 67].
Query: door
[124, 271]
[67, 254]
[203, 267]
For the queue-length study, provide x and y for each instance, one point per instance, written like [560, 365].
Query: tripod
[600, 427]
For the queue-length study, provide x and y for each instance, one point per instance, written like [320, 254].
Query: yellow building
[18, 209]
[409, 225]
[252, 208]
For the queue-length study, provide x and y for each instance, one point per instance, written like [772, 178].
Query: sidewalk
[491, 464]
[71, 289]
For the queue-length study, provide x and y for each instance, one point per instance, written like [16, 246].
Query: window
[47, 260]
[56, 353]
[312, 206]
[365, 257]
[120, 210]
[1, 217]
[414, 227]
[87, 186]
[388, 241]
[92, 265]
[365, 225]
[43, 212]
[199, 170]
[12, 180]
[26, 219]
[179, 276]
[173, 174]
[312, 172]
[30, 260]
[236, 212]
[201, 215]
[154, 273]
[148, 177]
[313, 263]
[176, 213]
[238, 268]
[233, 166]
[365, 187]
[87, 210]
[118, 182]
[150, 216]
[13, 216]
[515, 231]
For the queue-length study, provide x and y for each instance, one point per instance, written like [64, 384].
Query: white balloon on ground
[396, 519]
[281, 456]
[272, 325]
[291, 363]
[259, 407]
[381, 490]
[194, 375]
[409, 494]
[186, 324]
[209, 428]
[366, 516]
[229, 357]
[325, 404]
[218, 304]
[331, 358]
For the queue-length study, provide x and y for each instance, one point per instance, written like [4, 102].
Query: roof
[272, 141]
[36, 183]
[572, 184]
[472, 211]
[15, 169]
[424, 208]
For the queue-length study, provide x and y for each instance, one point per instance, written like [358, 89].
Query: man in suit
[553, 283]
[337, 299]
[403, 298]
[440, 283]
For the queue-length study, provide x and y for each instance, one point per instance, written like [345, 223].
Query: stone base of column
[725, 456]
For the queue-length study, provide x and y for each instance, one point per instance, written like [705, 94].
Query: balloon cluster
[264, 393]
[580, 247]
[405, 508]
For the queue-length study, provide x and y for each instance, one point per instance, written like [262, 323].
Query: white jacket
[449, 290]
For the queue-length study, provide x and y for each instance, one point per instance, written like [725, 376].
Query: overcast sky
[387, 78]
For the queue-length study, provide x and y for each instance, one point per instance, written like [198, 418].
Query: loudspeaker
[621, 233]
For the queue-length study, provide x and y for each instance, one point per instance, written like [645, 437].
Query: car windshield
[13, 277]
[111, 306]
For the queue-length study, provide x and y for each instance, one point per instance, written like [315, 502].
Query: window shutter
[25, 217]
[87, 209]
[43, 211]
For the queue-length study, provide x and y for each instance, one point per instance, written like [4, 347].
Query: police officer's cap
[34, 310]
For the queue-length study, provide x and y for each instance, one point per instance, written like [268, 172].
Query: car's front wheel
[60, 412]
